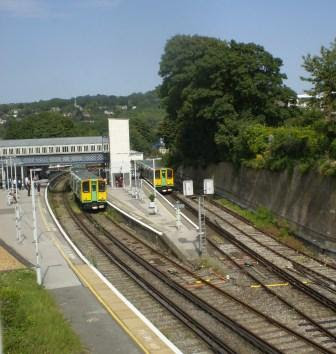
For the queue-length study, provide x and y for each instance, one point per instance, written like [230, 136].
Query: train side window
[101, 186]
[157, 174]
[169, 173]
[86, 187]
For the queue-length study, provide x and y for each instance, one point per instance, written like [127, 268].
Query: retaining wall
[306, 201]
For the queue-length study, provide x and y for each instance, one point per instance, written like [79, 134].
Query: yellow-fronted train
[164, 176]
[89, 189]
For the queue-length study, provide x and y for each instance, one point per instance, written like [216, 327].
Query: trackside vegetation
[227, 101]
[31, 322]
[263, 219]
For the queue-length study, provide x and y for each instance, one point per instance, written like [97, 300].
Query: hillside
[86, 115]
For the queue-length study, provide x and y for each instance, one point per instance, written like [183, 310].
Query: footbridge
[53, 152]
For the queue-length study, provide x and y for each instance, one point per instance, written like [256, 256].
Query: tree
[322, 70]
[43, 125]
[209, 84]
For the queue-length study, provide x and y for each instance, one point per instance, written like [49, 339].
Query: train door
[94, 190]
[163, 177]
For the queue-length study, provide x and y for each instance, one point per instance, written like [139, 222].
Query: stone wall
[306, 201]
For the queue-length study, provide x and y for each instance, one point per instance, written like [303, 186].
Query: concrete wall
[307, 201]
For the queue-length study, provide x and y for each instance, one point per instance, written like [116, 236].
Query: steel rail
[285, 275]
[274, 322]
[212, 340]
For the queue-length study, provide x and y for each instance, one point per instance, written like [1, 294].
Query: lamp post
[38, 268]
[155, 207]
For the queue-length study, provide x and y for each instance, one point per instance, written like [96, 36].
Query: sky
[68, 48]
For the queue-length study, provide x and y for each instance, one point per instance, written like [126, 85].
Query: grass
[31, 321]
[263, 219]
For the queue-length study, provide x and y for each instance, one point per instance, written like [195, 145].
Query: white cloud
[23, 8]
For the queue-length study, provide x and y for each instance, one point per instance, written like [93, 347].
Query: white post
[11, 169]
[135, 181]
[22, 177]
[7, 179]
[155, 208]
[15, 181]
[38, 268]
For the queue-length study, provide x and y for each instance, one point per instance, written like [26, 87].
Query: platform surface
[85, 300]
[184, 238]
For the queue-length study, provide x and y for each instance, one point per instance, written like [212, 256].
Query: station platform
[98, 313]
[183, 240]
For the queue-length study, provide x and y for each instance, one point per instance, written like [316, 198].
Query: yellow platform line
[83, 280]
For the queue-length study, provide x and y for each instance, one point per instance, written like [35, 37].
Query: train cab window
[101, 186]
[86, 187]
[169, 173]
[157, 174]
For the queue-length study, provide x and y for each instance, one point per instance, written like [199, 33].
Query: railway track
[315, 316]
[215, 312]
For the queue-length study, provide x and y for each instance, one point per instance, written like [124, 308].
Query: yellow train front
[89, 189]
[164, 176]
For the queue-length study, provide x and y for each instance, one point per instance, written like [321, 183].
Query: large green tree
[209, 85]
[322, 70]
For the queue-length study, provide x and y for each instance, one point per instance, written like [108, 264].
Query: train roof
[149, 163]
[84, 174]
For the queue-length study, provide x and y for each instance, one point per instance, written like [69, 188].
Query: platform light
[38, 267]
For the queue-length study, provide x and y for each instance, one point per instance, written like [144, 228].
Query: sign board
[188, 187]
[208, 186]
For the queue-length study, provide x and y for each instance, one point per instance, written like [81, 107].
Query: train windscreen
[101, 186]
[86, 187]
